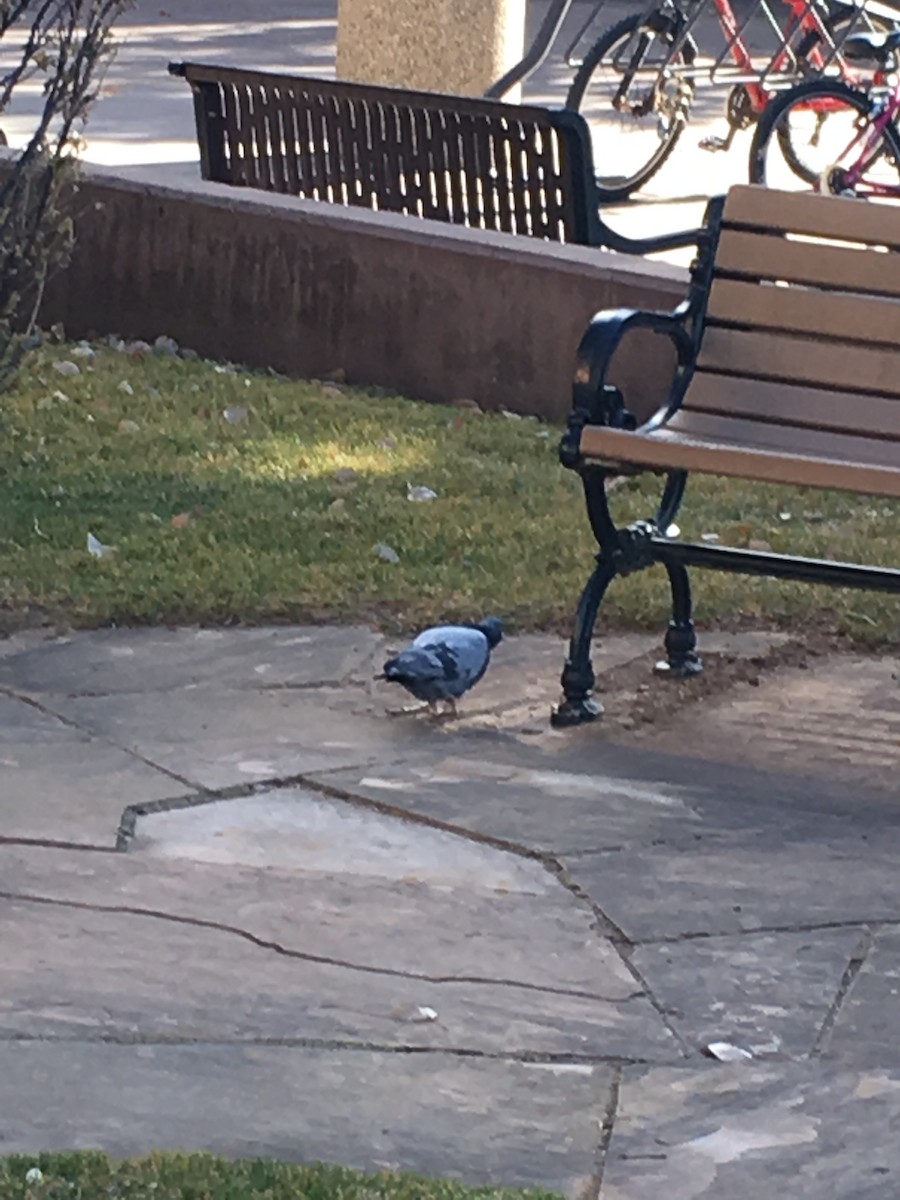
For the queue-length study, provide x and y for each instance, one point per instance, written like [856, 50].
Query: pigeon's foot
[413, 710]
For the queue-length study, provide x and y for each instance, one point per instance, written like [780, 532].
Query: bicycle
[637, 83]
[848, 137]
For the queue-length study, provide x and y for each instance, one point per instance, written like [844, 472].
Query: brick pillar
[457, 46]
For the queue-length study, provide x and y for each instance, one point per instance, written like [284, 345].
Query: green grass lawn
[231, 496]
[93, 1176]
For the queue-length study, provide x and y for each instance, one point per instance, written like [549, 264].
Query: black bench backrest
[473, 162]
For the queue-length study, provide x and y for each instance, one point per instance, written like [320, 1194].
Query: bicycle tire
[840, 16]
[618, 187]
[777, 112]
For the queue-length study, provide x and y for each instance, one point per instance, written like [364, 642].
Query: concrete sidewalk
[244, 909]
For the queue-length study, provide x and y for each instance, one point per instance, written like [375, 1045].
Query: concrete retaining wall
[307, 288]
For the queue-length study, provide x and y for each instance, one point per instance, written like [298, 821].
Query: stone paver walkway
[242, 908]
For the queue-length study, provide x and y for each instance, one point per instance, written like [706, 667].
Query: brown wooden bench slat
[849, 367]
[805, 407]
[850, 317]
[764, 256]
[813, 215]
[716, 454]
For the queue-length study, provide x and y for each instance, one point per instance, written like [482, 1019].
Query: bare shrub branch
[65, 44]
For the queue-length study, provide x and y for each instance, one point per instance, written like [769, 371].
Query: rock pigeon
[444, 662]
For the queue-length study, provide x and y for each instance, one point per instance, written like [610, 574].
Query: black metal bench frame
[643, 543]
[475, 162]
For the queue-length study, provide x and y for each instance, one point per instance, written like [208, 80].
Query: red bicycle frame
[803, 18]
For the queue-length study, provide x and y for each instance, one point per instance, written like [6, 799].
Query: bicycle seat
[872, 47]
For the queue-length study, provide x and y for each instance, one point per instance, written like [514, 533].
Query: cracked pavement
[243, 909]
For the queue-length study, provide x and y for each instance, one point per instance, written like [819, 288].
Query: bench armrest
[596, 402]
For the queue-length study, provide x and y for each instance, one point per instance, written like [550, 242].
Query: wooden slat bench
[473, 162]
[789, 372]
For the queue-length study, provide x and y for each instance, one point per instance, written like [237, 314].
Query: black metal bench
[479, 163]
[788, 372]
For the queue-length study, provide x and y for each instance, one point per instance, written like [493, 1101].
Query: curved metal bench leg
[578, 677]
[682, 660]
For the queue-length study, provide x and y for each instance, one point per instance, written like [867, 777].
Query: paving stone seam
[876, 925]
[854, 965]
[46, 711]
[623, 946]
[303, 956]
[315, 783]
[53, 844]
[607, 1126]
[525, 1057]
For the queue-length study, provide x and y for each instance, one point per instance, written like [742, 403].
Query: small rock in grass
[65, 367]
[332, 390]
[420, 494]
[126, 387]
[138, 348]
[235, 414]
[759, 544]
[83, 350]
[338, 505]
[127, 426]
[386, 553]
[189, 355]
[166, 346]
[345, 475]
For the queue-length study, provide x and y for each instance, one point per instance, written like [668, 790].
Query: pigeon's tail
[412, 666]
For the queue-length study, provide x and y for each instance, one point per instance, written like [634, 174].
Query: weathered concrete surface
[535, 1125]
[768, 993]
[867, 1029]
[156, 977]
[486, 930]
[435, 907]
[216, 739]
[745, 1130]
[62, 784]
[840, 719]
[824, 875]
[104, 662]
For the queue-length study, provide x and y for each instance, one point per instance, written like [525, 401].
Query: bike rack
[779, 69]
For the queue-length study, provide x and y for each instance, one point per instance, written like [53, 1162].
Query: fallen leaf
[420, 494]
[97, 549]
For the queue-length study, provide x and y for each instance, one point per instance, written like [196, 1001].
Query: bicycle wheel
[636, 102]
[841, 21]
[820, 120]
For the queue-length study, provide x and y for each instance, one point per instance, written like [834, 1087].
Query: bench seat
[788, 372]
